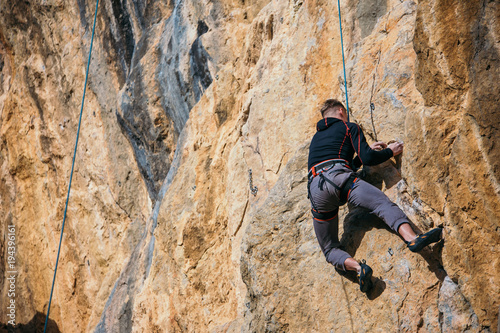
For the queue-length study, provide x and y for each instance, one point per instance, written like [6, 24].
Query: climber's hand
[378, 145]
[396, 147]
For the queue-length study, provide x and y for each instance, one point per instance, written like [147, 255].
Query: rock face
[188, 209]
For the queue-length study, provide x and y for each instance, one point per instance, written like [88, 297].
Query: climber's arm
[396, 147]
[366, 154]
[379, 145]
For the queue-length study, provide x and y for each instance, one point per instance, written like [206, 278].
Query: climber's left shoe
[365, 277]
[422, 241]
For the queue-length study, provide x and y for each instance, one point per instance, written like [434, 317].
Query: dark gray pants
[363, 194]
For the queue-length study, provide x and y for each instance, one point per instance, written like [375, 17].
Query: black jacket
[336, 139]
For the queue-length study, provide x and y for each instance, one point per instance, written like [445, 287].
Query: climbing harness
[346, 190]
[72, 169]
[319, 170]
[343, 62]
[325, 166]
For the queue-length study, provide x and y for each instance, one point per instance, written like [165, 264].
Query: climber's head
[333, 108]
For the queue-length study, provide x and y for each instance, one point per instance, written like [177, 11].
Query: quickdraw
[253, 189]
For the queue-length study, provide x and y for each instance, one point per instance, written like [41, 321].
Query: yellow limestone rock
[185, 98]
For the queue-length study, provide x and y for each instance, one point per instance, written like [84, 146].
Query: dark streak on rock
[367, 13]
[125, 36]
[83, 13]
[31, 88]
[200, 72]
[202, 28]
[485, 110]
[153, 167]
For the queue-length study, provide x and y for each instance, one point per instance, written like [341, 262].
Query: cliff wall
[190, 106]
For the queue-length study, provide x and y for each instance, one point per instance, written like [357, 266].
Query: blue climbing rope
[343, 62]
[72, 168]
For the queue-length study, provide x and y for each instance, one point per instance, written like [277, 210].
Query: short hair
[330, 104]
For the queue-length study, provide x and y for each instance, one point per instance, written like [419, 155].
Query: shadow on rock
[358, 222]
[378, 284]
[377, 290]
[388, 173]
[433, 255]
[35, 325]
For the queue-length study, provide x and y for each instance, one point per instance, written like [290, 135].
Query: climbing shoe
[365, 277]
[423, 240]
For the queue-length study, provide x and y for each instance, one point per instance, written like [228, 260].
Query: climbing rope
[72, 168]
[343, 61]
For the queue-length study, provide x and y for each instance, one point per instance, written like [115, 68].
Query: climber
[333, 182]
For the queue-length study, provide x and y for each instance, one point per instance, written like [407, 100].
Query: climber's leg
[352, 265]
[366, 195]
[328, 239]
[406, 231]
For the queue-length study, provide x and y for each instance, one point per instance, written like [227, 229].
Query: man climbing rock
[333, 182]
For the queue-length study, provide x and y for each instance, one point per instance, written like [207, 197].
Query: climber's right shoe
[422, 241]
[365, 277]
